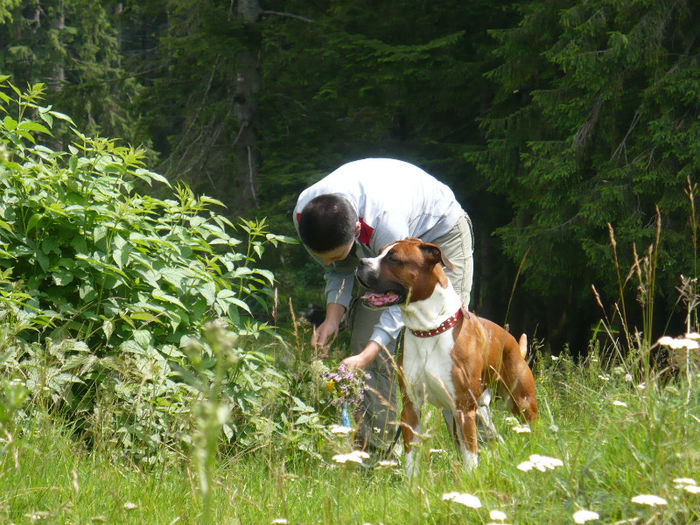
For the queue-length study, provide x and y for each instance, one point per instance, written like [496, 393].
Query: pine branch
[287, 15]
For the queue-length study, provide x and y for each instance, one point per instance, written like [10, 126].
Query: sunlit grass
[615, 441]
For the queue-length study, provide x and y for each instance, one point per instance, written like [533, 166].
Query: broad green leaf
[43, 260]
[87, 292]
[61, 116]
[62, 277]
[108, 328]
[148, 176]
[29, 137]
[225, 303]
[267, 274]
[33, 221]
[173, 276]
[9, 123]
[117, 258]
[225, 294]
[208, 291]
[29, 125]
[46, 117]
[145, 316]
[101, 264]
[142, 338]
[158, 294]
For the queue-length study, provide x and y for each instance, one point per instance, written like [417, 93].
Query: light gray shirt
[393, 200]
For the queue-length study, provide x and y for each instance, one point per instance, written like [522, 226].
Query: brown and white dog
[449, 354]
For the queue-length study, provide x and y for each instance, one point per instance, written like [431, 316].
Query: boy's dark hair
[326, 222]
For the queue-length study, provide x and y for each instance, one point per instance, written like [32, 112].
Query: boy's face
[337, 254]
[334, 255]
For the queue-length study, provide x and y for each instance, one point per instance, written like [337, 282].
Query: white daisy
[340, 429]
[464, 499]
[649, 499]
[356, 456]
[541, 463]
[582, 516]
[684, 481]
[679, 342]
[497, 515]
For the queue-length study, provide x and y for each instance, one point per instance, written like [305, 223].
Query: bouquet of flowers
[347, 384]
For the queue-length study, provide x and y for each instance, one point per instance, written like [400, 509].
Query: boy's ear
[434, 254]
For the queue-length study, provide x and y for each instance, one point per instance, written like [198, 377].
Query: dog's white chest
[427, 368]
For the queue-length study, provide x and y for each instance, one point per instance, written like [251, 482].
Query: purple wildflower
[347, 384]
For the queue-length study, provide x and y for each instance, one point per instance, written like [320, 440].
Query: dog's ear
[435, 255]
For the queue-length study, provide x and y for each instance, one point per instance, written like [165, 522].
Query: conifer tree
[594, 122]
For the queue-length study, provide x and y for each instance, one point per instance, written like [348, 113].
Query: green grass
[610, 454]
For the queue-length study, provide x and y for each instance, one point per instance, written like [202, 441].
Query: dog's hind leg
[467, 437]
[517, 386]
[485, 429]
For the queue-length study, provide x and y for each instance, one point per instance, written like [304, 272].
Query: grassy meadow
[136, 385]
[617, 436]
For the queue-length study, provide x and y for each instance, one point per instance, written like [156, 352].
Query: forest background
[550, 119]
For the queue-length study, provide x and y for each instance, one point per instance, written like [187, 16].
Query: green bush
[101, 260]
[104, 289]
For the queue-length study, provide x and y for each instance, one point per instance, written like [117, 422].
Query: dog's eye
[392, 259]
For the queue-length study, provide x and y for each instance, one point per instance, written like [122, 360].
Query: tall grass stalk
[212, 413]
[689, 286]
[644, 268]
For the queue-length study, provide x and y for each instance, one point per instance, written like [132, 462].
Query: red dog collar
[444, 326]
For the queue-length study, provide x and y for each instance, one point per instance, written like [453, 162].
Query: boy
[354, 212]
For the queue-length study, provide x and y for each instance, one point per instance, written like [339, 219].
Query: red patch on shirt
[366, 232]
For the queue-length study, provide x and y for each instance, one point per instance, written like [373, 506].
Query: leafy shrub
[104, 289]
[102, 260]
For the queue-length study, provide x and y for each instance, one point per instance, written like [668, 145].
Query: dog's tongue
[380, 299]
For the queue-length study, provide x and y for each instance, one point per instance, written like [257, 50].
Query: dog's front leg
[410, 430]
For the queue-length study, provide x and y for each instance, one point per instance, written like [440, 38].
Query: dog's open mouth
[381, 300]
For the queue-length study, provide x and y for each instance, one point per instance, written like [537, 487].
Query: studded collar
[444, 326]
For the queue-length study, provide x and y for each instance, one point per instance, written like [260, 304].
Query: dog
[449, 354]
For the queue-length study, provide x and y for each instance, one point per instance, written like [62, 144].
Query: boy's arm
[385, 331]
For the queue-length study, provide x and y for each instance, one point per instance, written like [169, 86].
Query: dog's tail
[523, 345]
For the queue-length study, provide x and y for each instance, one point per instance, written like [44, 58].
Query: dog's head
[405, 271]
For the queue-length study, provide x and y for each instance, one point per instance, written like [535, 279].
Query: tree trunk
[245, 89]
[58, 79]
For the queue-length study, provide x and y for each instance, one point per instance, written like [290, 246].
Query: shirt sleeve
[339, 287]
[388, 327]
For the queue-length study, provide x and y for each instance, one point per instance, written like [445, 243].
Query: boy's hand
[323, 336]
[364, 358]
